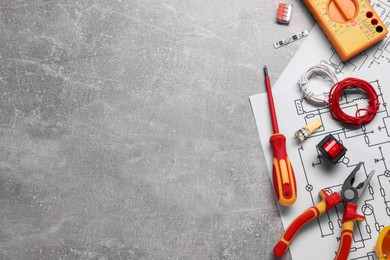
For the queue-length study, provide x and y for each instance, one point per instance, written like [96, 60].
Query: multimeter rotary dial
[342, 11]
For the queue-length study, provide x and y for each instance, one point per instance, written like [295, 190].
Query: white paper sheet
[317, 50]
[369, 144]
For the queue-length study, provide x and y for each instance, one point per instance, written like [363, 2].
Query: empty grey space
[126, 130]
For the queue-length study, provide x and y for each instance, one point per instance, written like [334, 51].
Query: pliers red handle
[346, 238]
[348, 194]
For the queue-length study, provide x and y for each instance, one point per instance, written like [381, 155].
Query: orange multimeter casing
[351, 26]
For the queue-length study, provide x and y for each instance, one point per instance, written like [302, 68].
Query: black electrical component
[331, 148]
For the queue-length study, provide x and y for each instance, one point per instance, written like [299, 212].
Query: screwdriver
[282, 172]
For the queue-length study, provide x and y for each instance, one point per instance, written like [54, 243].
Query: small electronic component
[291, 39]
[331, 148]
[307, 130]
[283, 14]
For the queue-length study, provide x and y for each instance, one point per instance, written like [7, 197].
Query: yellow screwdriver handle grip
[282, 172]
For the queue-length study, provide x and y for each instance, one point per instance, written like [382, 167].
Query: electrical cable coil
[334, 102]
[308, 93]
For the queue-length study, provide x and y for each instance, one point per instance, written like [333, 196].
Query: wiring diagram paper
[317, 50]
[369, 144]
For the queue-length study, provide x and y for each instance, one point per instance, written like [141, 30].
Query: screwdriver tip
[265, 71]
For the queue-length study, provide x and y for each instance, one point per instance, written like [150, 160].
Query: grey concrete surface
[126, 130]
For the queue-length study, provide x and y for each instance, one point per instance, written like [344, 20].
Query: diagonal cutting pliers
[349, 195]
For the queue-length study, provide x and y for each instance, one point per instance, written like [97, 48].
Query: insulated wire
[308, 93]
[334, 102]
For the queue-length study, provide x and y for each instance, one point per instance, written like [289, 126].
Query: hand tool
[282, 173]
[349, 194]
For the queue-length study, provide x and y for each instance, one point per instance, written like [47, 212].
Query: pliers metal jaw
[350, 195]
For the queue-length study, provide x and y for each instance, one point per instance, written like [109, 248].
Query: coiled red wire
[334, 102]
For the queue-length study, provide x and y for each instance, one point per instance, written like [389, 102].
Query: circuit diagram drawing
[369, 144]
[376, 138]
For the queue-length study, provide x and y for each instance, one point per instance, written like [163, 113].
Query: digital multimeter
[351, 26]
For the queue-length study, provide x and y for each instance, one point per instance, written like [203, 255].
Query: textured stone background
[126, 130]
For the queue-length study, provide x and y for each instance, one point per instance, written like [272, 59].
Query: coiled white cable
[308, 93]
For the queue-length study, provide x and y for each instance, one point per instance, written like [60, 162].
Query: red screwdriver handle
[346, 238]
[327, 203]
[282, 172]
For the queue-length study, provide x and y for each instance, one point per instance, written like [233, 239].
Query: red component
[275, 182]
[282, 171]
[350, 213]
[332, 148]
[349, 218]
[278, 144]
[362, 115]
[345, 245]
[282, 246]
[299, 222]
[280, 249]
[280, 12]
[283, 15]
[330, 200]
[274, 120]
[287, 192]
